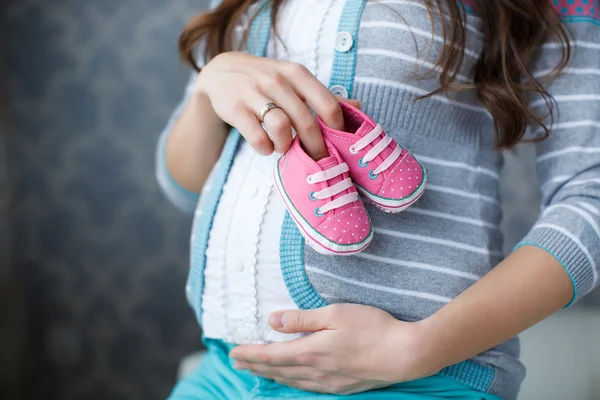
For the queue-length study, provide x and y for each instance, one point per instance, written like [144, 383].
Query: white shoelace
[376, 150]
[332, 190]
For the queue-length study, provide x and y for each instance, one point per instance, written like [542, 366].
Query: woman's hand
[239, 85]
[355, 348]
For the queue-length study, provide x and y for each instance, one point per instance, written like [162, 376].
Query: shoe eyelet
[362, 164]
[309, 180]
[353, 150]
[311, 196]
[372, 175]
[318, 212]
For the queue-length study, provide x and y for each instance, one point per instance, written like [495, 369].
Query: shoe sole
[313, 238]
[393, 206]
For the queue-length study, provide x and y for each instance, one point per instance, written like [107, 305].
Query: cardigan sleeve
[568, 161]
[180, 197]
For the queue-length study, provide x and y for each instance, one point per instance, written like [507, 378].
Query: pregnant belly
[243, 283]
[414, 266]
[237, 303]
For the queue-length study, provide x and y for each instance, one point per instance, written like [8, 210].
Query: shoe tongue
[365, 129]
[327, 162]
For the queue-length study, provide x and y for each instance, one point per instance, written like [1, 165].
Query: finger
[249, 111]
[273, 354]
[275, 120]
[296, 321]
[316, 95]
[276, 354]
[251, 129]
[304, 122]
[306, 385]
[287, 372]
[249, 126]
[279, 129]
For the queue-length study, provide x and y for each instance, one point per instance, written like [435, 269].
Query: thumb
[296, 321]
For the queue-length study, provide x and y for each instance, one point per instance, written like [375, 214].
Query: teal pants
[216, 379]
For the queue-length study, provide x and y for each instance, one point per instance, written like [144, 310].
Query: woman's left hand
[355, 348]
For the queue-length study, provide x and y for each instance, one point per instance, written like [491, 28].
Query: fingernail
[276, 320]
[237, 365]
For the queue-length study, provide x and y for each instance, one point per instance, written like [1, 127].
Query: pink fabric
[585, 9]
[404, 179]
[351, 225]
[400, 180]
[346, 225]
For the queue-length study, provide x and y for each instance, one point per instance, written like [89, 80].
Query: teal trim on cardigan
[203, 225]
[566, 19]
[471, 374]
[344, 63]
[258, 39]
[588, 20]
[575, 292]
[467, 8]
[291, 254]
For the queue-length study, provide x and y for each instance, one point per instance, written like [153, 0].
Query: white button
[339, 91]
[343, 42]
[252, 191]
[238, 265]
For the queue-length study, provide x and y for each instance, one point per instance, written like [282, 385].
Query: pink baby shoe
[383, 171]
[323, 201]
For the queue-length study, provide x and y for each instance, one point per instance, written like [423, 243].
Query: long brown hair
[514, 32]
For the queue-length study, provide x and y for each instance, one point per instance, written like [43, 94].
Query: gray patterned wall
[104, 256]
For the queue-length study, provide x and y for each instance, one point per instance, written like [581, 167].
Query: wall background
[101, 255]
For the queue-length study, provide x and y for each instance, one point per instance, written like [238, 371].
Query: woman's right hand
[239, 85]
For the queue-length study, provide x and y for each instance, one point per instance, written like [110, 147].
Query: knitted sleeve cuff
[571, 255]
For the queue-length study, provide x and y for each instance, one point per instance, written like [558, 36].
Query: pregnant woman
[432, 307]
